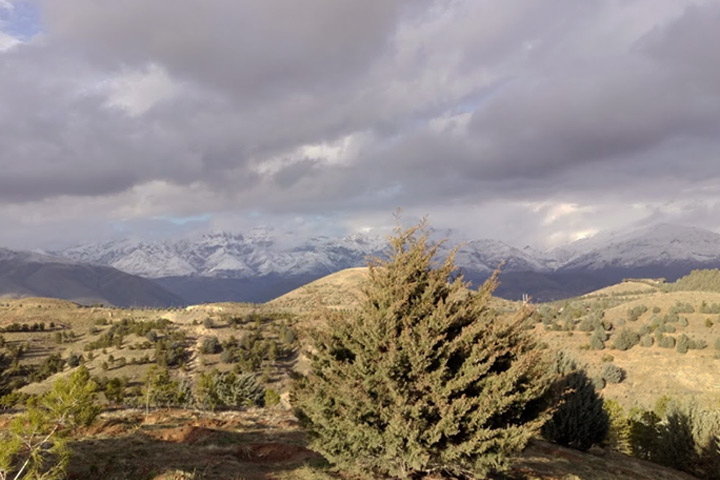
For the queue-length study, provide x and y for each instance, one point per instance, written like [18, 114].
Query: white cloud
[137, 91]
[523, 121]
[7, 42]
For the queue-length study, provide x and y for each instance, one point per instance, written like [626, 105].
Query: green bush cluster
[707, 280]
[682, 307]
[114, 336]
[252, 351]
[215, 390]
[711, 309]
[612, 373]
[634, 313]
[685, 343]
[50, 365]
[625, 339]
[24, 327]
[664, 341]
[597, 341]
[171, 351]
[210, 345]
[681, 436]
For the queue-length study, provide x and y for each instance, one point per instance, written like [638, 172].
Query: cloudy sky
[531, 122]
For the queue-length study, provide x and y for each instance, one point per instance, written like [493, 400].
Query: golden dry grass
[339, 290]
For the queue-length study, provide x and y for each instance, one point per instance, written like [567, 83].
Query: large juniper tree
[426, 377]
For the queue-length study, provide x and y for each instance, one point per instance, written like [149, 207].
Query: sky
[529, 122]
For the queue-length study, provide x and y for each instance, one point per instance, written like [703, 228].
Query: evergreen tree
[34, 446]
[425, 378]
[580, 420]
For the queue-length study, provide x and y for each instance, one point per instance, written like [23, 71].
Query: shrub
[647, 341]
[683, 343]
[423, 379]
[209, 323]
[596, 342]
[210, 345]
[272, 398]
[612, 373]
[161, 390]
[215, 389]
[618, 437]
[664, 341]
[115, 390]
[580, 420]
[683, 322]
[635, 312]
[227, 356]
[625, 339]
[74, 360]
[667, 328]
[598, 382]
[586, 325]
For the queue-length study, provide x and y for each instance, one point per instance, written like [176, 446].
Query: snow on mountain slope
[662, 244]
[263, 252]
[225, 255]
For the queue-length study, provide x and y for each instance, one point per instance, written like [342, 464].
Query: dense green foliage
[425, 378]
[35, 445]
[703, 280]
[223, 389]
[580, 420]
[625, 339]
[681, 436]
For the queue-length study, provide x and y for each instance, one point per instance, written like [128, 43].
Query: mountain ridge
[262, 263]
[32, 274]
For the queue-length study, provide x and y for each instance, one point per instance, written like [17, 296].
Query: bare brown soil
[269, 444]
[256, 444]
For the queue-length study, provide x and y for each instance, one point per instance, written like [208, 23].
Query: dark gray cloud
[553, 114]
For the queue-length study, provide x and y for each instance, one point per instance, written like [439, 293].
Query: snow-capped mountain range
[227, 255]
[264, 263]
[260, 253]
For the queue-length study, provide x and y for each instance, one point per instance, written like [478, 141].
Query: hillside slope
[26, 274]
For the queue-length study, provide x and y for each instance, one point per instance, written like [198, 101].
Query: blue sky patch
[22, 21]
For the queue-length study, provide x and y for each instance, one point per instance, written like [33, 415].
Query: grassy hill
[46, 327]
[340, 290]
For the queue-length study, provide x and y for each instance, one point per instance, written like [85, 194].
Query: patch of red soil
[273, 453]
